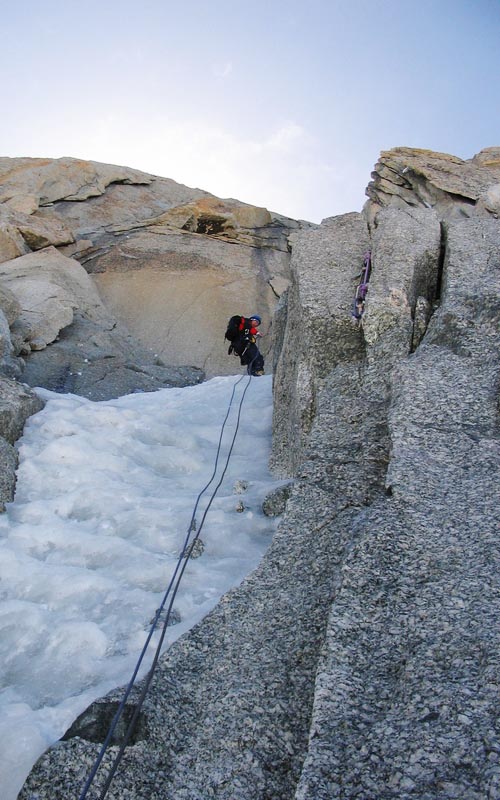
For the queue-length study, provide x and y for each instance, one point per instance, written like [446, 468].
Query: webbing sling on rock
[358, 307]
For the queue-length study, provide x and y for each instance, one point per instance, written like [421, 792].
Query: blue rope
[176, 578]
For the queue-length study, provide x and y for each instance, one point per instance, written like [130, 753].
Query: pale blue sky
[282, 104]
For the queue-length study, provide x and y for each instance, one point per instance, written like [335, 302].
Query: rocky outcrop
[236, 256]
[214, 216]
[361, 658]
[56, 311]
[121, 281]
[147, 241]
[17, 403]
[29, 188]
[409, 177]
[12, 243]
[29, 183]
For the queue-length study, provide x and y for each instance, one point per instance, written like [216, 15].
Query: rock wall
[17, 403]
[316, 331]
[190, 284]
[114, 281]
[405, 690]
[360, 660]
[189, 258]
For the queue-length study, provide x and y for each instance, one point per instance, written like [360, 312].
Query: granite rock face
[360, 659]
[17, 403]
[191, 284]
[114, 281]
[404, 698]
[29, 183]
[56, 311]
[408, 177]
[147, 242]
[316, 330]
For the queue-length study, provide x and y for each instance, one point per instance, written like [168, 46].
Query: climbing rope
[171, 592]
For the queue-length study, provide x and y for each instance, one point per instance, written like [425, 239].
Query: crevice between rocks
[427, 294]
[440, 270]
[93, 725]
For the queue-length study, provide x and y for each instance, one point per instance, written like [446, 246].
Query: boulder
[24, 232]
[9, 304]
[275, 502]
[48, 288]
[12, 243]
[17, 403]
[491, 199]
[22, 203]
[39, 233]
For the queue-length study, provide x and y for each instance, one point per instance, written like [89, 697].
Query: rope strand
[174, 582]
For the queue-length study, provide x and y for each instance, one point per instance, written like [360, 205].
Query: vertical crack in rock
[442, 255]
[427, 287]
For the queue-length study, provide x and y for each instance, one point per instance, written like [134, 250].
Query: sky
[104, 499]
[284, 104]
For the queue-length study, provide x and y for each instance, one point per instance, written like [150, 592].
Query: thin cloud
[222, 70]
[283, 169]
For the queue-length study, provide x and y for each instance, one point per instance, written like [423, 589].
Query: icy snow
[104, 499]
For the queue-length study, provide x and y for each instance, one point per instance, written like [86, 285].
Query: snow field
[104, 499]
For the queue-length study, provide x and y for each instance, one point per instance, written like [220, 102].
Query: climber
[243, 332]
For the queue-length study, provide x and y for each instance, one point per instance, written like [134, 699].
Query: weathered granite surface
[361, 658]
[56, 311]
[146, 241]
[114, 281]
[406, 176]
[191, 284]
[317, 332]
[17, 403]
[407, 685]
